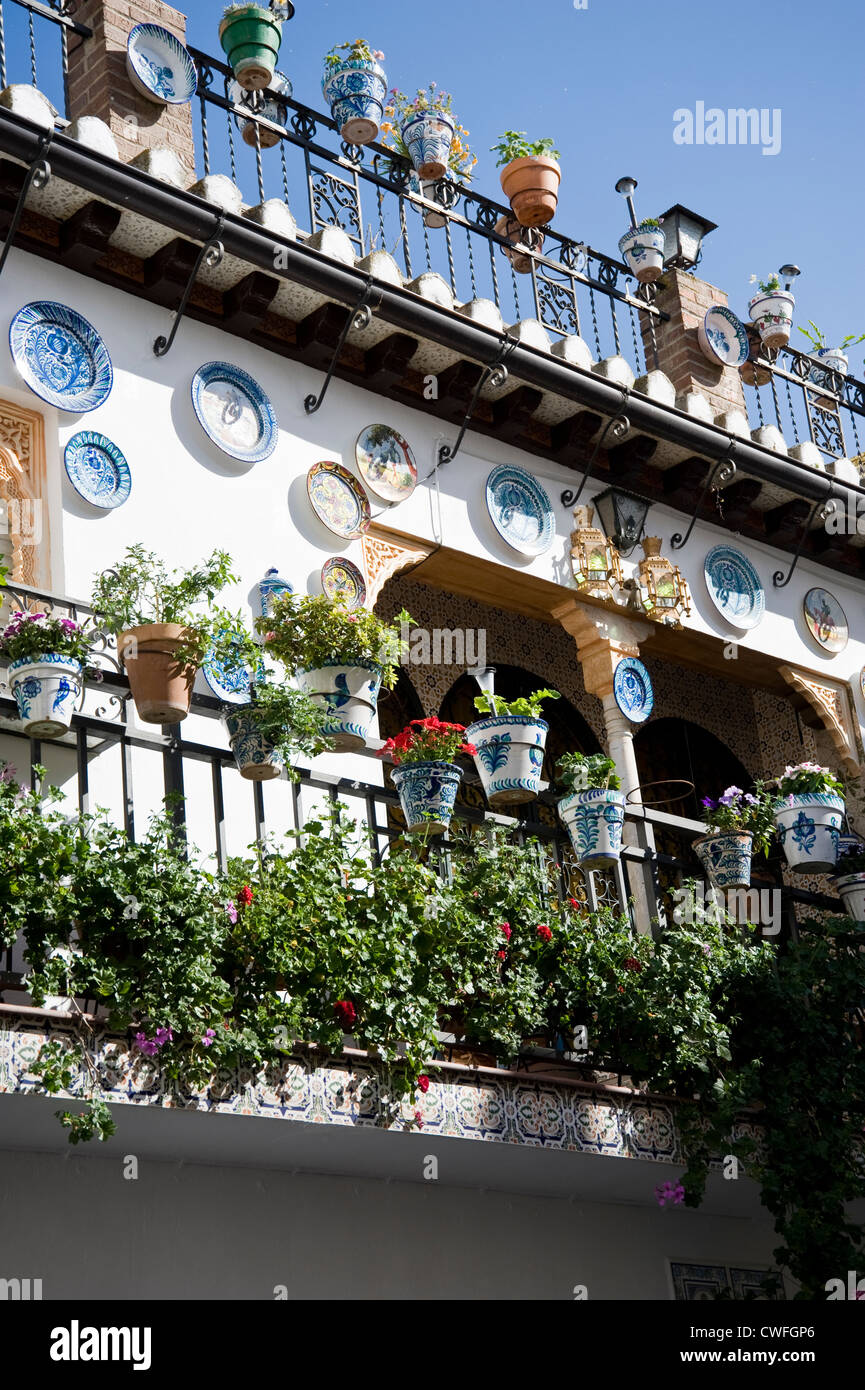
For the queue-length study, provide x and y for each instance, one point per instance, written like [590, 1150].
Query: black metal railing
[806, 401]
[34, 46]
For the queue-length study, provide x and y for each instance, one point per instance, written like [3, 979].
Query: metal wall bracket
[210, 255]
[723, 471]
[495, 374]
[820, 511]
[618, 426]
[37, 177]
[359, 318]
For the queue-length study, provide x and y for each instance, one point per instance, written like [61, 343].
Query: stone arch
[673, 748]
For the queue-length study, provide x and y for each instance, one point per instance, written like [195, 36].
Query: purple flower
[163, 1036]
[231, 912]
[68, 625]
[209, 1037]
[7, 773]
[670, 1192]
[709, 803]
[145, 1045]
[707, 950]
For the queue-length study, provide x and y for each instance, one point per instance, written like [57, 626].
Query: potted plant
[426, 777]
[643, 249]
[424, 131]
[355, 88]
[808, 816]
[523, 243]
[276, 721]
[593, 812]
[833, 358]
[340, 659]
[510, 746]
[530, 178]
[250, 36]
[739, 823]
[850, 882]
[46, 658]
[162, 634]
[772, 311]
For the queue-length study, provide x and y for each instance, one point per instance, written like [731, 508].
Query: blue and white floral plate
[734, 586]
[234, 411]
[632, 688]
[160, 68]
[229, 681]
[520, 510]
[61, 356]
[723, 338]
[97, 470]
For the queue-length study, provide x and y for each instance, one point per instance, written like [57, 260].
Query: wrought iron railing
[33, 37]
[806, 401]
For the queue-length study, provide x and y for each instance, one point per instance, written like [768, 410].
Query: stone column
[680, 357]
[99, 82]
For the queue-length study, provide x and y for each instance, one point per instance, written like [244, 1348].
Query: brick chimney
[99, 82]
[686, 299]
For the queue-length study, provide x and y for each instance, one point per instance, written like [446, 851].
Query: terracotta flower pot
[161, 686]
[531, 186]
[523, 241]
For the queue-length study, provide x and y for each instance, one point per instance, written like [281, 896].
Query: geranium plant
[427, 740]
[526, 707]
[737, 811]
[429, 101]
[769, 285]
[515, 144]
[289, 720]
[356, 51]
[582, 772]
[310, 632]
[807, 778]
[33, 634]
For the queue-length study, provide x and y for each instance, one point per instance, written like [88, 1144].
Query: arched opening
[671, 750]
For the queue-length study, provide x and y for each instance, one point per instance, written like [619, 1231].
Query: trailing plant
[737, 811]
[309, 632]
[817, 339]
[769, 285]
[427, 740]
[357, 51]
[433, 101]
[587, 772]
[30, 635]
[290, 720]
[515, 144]
[526, 707]
[807, 778]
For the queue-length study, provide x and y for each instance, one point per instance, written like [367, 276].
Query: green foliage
[33, 634]
[648, 224]
[309, 632]
[527, 707]
[582, 772]
[767, 286]
[514, 144]
[817, 338]
[357, 51]
[853, 862]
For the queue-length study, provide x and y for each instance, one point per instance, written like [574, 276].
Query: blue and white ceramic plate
[734, 586]
[97, 469]
[723, 338]
[520, 510]
[229, 681]
[60, 356]
[160, 68]
[826, 619]
[343, 583]
[632, 687]
[232, 409]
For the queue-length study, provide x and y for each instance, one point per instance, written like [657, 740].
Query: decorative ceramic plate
[723, 338]
[97, 470]
[61, 356]
[343, 583]
[826, 619]
[232, 408]
[632, 687]
[160, 67]
[520, 510]
[338, 500]
[386, 463]
[229, 681]
[734, 586]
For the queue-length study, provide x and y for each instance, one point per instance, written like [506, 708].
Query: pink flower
[209, 1036]
[418, 1119]
[145, 1045]
[505, 930]
[231, 912]
[378, 55]
[674, 1193]
[423, 1084]
[544, 933]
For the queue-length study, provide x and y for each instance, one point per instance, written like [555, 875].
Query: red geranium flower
[501, 955]
[345, 1012]
[423, 1084]
[574, 904]
[633, 964]
[505, 930]
[245, 896]
[544, 933]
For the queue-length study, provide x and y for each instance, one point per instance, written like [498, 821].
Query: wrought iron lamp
[594, 558]
[623, 517]
[683, 237]
[626, 187]
[664, 591]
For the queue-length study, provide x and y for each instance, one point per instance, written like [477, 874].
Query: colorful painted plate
[723, 338]
[343, 583]
[234, 411]
[338, 500]
[229, 680]
[826, 619]
[386, 463]
[97, 469]
[60, 356]
[632, 687]
[160, 68]
[734, 586]
[520, 510]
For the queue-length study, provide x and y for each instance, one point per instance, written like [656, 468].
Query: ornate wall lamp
[594, 558]
[664, 591]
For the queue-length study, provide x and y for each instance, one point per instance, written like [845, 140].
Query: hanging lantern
[664, 591]
[595, 560]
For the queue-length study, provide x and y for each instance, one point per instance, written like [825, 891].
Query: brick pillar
[99, 82]
[686, 299]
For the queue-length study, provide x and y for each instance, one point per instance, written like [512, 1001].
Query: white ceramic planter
[833, 364]
[510, 756]
[356, 91]
[350, 696]
[428, 138]
[852, 890]
[809, 828]
[643, 251]
[726, 858]
[253, 753]
[772, 313]
[47, 689]
[594, 820]
[427, 793]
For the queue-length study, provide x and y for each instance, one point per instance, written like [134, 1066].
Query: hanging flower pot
[254, 753]
[47, 688]
[851, 886]
[251, 36]
[161, 684]
[349, 695]
[772, 312]
[594, 821]
[523, 241]
[510, 756]
[427, 794]
[531, 186]
[267, 109]
[431, 190]
[808, 828]
[428, 137]
[643, 250]
[355, 88]
[726, 858]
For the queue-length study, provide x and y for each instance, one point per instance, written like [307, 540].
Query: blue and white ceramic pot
[594, 820]
[47, 689]
[726, 858]
[834, 364]
[852, 890]
[350, 696]
[510, 756]
[253, 753]
[643, 250]
[809, 828]
[428, 138]
[427, 793]
[356, 91]
[772, 312]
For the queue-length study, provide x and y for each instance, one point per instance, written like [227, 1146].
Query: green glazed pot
[251, 37]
